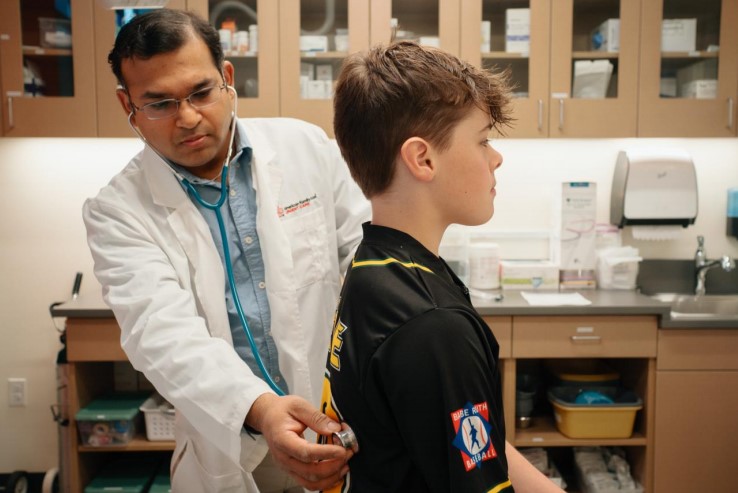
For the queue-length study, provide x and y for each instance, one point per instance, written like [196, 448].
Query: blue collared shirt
[239, 216]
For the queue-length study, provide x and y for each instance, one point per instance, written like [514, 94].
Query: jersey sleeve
[438, 376]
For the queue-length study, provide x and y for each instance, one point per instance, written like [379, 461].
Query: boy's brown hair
[391, 93]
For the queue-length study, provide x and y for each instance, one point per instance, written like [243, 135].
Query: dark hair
[392, 93]
[162, 31]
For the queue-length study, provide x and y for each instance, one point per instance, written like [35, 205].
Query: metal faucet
[703, 265]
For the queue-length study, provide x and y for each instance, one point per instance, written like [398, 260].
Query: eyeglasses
[166, 108]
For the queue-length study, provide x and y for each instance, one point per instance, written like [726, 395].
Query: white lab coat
[163, 278]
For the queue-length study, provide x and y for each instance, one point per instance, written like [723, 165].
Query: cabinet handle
[592, 339]
[730, 113]
[11, 123]
[561, 114]
[540, 114]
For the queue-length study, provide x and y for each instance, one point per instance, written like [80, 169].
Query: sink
[706, 306]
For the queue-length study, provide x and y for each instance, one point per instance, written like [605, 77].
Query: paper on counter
[554, 299]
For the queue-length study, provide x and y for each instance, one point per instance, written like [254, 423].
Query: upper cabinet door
[594, 68]
[513, 35]
[316, 35]
[112, 120]
[430, 22]
[689, 68]
[48, 70]
[249, 34]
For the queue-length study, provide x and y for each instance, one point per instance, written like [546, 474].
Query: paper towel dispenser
[653, 186]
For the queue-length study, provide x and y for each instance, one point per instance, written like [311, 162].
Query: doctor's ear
[124, 100]
[416, 154]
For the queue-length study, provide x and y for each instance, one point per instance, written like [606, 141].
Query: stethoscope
[344, 438]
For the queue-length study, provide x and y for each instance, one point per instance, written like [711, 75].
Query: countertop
[604, 302]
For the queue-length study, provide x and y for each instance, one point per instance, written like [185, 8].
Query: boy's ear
[415, 155]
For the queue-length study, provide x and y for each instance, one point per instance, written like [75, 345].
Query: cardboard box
[575, 240]
[679, 35]
[606, 36]
[700, 89]
[517, 30]
[529, 275]
[324, 72]
[314, 43]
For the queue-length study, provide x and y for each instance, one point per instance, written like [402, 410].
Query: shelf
[690, 54]
[543, 433]
[503, 55]
[138, 444]
[39, 51]
[323, 54]
[580, 55]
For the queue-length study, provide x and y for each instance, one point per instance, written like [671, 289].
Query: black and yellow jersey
[413, 369]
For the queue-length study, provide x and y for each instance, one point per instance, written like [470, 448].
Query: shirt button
[277, 379]
[233, 193]
[262, 285]
[248, 240]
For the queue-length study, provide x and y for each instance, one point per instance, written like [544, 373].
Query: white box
[606, 36]
[700, 89]
[307, 70]
[574, 228]
[316, 89]
[433, 41]
[314, 43]
[324, 72]
[342, 42]
[517, 30]
[529, 275]
[668, 87]
[679, 35]
[486, 33]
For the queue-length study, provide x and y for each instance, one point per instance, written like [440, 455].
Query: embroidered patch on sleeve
[471, 424]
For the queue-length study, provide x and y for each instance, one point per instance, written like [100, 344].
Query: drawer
[699, 349]
[94, 339]
[584, 336]
[502, 329]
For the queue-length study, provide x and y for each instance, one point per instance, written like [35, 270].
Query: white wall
[43, 183]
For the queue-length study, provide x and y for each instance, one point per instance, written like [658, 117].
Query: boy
[412, 367]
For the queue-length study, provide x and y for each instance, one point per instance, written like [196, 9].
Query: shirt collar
[242, 152]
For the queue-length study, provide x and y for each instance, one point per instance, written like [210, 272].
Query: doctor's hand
[282, 421]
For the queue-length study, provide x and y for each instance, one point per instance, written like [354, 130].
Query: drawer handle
[592, 339]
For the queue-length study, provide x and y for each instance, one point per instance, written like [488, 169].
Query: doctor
[293, 219]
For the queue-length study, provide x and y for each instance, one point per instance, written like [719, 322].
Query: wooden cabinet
[627, 343]
[308, 73]
[529, 71]
[256, 67]
[111, 118]
[62, 77]
[92, 346]
[712, 112]
[696, 428]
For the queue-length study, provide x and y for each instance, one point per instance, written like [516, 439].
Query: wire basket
[159, 417]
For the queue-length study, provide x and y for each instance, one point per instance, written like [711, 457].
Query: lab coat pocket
[189, 475]
[307, 234]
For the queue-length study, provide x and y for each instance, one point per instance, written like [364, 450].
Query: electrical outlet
[16, 392]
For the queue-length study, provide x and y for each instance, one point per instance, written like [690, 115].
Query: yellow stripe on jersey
[500, 487]
[387, 261]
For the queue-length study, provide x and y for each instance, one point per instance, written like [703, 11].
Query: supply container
[617, 267]
[582, 373]
[484, 265]
[605, 412]
[55, 33]
[110, 421]
[126, 475]
[454, 250]
[159, 418]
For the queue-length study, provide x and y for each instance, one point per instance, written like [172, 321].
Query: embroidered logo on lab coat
[291, 208]
[471, 424]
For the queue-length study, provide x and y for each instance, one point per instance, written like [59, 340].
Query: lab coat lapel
[193, 234]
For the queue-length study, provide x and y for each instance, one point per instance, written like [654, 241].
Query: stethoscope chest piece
[346, 438]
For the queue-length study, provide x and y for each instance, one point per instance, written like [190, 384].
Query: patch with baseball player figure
[471, 424]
